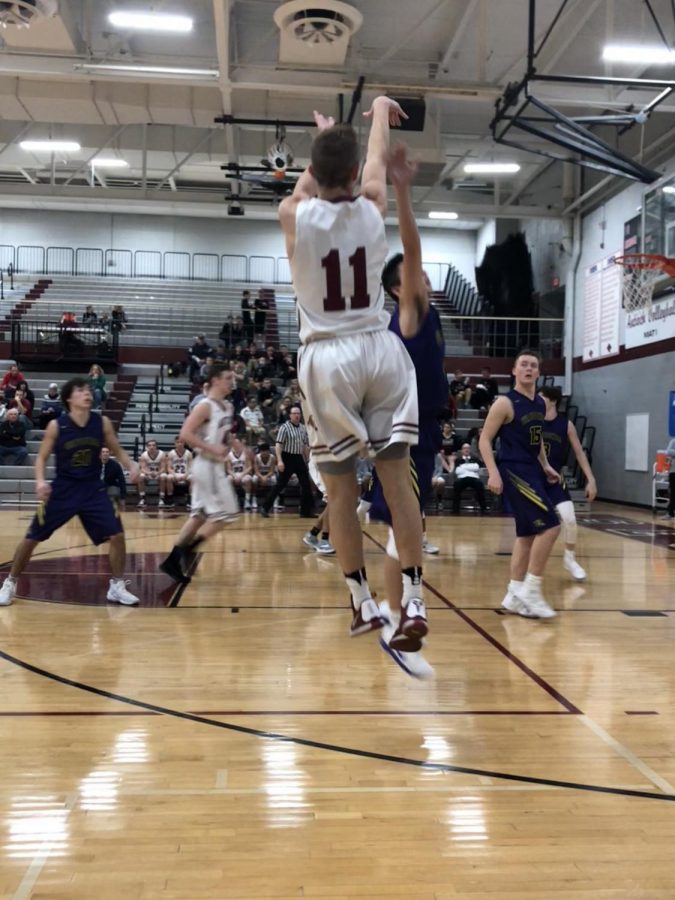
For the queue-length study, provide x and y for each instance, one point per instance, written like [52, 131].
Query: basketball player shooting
[357, 380]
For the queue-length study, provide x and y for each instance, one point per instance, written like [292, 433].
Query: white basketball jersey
[220, 420]
[153, 466]
[237, 463]
[340, 251]
[265, 468]
[180, 465]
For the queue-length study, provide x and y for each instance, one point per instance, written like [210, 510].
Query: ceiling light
[491, 168]
[150, 22]
[443, 215]
[109, 162]
[668, 189]
[51, 146]
[635, 53]
[147, 70]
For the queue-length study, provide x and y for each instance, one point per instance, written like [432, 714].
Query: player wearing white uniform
[239, 468]
[152, 470]
[178, 466]
[214, 502]
[358, 382]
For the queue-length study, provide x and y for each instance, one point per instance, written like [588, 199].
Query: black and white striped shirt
[293, 438]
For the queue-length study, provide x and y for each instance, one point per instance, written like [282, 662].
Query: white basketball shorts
[360, 391]
[212, 493]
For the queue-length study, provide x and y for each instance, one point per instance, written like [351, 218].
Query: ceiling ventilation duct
[23, 13]
[317, 35]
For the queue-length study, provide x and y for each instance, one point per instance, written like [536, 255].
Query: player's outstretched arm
[413, 298]
[582, 459]
[500, 412]
[117, 450]
[42, 486]
[305, 188]
[384, 112]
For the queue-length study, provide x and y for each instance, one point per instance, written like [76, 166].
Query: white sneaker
[311, 540]
[278, 506]
[247, 505]
[535, 603]
[118, 593]
[161, 504]
[7, 591]
[573, 567]
[141, 503]
[515, 605]
[254, 504]
[429, 548]
[325, 548]
[412, 663]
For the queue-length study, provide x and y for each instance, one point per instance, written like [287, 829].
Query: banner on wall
[602, 309]
[651, 324]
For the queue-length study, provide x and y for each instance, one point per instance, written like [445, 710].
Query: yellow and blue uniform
[78, 489]
[427, 351]
[525, 485]
[557, 446]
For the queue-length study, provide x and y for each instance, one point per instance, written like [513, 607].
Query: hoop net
[641, 272]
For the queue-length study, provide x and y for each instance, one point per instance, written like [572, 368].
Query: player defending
[357, 380]
[214, 502]
[559, 435]
[521, 473]
[76, 438]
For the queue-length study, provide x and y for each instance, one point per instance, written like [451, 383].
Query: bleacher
[160, 312]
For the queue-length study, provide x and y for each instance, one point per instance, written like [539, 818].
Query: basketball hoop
[641, 271]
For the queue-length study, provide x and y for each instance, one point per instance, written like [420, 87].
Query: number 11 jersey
[340, 251]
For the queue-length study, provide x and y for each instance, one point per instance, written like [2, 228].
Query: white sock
[515, 586]
[569, 555]
[359, 590]
[412, 586]
[532, 582]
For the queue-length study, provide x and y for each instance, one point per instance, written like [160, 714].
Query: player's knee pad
[390, 549]
[568, 521]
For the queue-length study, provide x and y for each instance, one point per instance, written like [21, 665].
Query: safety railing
[51, 341]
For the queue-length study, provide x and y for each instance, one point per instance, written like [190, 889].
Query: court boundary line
[538, 679]
[336, 748]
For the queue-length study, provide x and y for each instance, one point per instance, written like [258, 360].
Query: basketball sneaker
[537, 607]
[254, 504]
[515, 605]
[429, 548]
[412, 627]
[573, 567]
[278, 505]
[247, 504]
[141, 503]
[7, 591]
[413, 664]
[325, 548]
[366, 618]
[311, 540]
[118, 593]
[172, 567]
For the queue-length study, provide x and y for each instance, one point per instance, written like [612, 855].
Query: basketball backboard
[658, 226]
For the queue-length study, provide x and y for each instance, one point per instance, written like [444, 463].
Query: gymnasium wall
[195, 235]
[608, 393]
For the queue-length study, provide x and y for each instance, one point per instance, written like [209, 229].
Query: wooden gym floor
[238, 745]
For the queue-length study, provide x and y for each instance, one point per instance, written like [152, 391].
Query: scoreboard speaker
[416, 109]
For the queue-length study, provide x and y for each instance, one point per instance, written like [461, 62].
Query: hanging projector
[22, 13]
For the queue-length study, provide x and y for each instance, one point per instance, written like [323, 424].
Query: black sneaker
[264, 512]
[172, 568]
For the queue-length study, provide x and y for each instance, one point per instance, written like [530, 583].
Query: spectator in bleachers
[260, 316]
[21, 402]
[10, 381]
[112, 475]
[13, 439]
[246, 308]
[460, 390]
[208, 362]
[105, 322]
[97, 380]
[152, 471]
[252, 417]
[451, 441]
[268, 397]
[119, 318]
[89, 317]
[199, 396]
[293, 392]
[485, 390]
[466, 467]
[226, 331]
[441, 477]
[237, 331]
[287, 368]
[260, 371]
[51, 406]
[221, 353]
[197, 354]
[240, 374]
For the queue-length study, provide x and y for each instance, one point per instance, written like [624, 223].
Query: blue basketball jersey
[78, 448]
[556, 442]
[521, 438]
[427, 351]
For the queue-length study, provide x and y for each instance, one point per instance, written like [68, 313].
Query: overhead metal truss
[519, 110]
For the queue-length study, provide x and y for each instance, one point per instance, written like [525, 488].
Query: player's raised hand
[394, 111]
[323, 122]
[401, 168]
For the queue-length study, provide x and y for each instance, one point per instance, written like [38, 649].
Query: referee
[292, 449]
